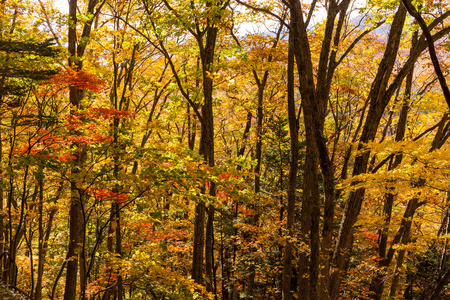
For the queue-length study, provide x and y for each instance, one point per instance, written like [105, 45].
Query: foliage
[134, 152]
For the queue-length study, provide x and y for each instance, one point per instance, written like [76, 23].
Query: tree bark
[292, 183]
[377, 282]
[75, 213]
[76, 217]
[206, 149]
[378, 102]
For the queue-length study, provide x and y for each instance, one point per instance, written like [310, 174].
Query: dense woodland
[224, 149]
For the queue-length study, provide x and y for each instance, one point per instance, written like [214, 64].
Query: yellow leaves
[370, 222]
[147, 269]
[138, 255]
[418, 163]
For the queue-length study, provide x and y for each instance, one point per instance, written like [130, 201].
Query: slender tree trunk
[206, 149]
[292, 183]
[209, 250]
[109, 247]
[191, 133]
[120, 288]
[405, 230]
[76, 216]
[199, 235]
[379, 99]
[75, 239]
[41, 256]
[377, 282]
[259, 127]
[20, 232]
[2, 227]
[261, 84]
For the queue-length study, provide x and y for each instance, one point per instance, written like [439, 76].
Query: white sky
[62, 5]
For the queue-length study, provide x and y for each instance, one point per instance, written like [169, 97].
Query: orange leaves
[89, 126]
[52, 140]
[66, 157]
[107, 195]
[246, 211]
[25, 150]
[94, 138]
[373, 236]
[81, 80]
[80, 119]
[173, 240]
[224, 176]
[43, 154]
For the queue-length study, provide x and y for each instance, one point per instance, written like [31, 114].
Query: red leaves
[89, 128]
[67, 157]
[89, 139]
[229, 184]
[25, 150]
[107, 195]
[224, 176]
[246, 211]
[370, 235]
[82, 119]
[39, 153]
[81, 80]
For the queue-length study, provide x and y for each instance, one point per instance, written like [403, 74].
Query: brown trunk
[75, 239]
[41, 253]
[309, 216]
[77, 224]
[379, 100]
[314, 100]
[75, 215]
[109, 247]
[209, 250]
[2, 227]
[199, 235]
[40, 270]
[259, 127]
[20, 232]
[377, 283]
[191, 133]
[206, 149]
[292, 183]
[120, 288]
[44, 234]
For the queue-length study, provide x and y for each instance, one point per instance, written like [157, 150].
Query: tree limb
[415, 14]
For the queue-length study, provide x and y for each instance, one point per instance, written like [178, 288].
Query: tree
[77, 221]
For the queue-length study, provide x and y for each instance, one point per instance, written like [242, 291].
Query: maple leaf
[79, 79]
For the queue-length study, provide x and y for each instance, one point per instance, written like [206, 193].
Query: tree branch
[268, 12]
[415, 14]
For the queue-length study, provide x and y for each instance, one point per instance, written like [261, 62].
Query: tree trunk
[76, 217]
[199, 235]
[209, 250]
[292, 183]
[378, 101]
[2, 227]
[206, 149]
[120, 288]
[75, 212]
[75, 240]
[377, 282]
